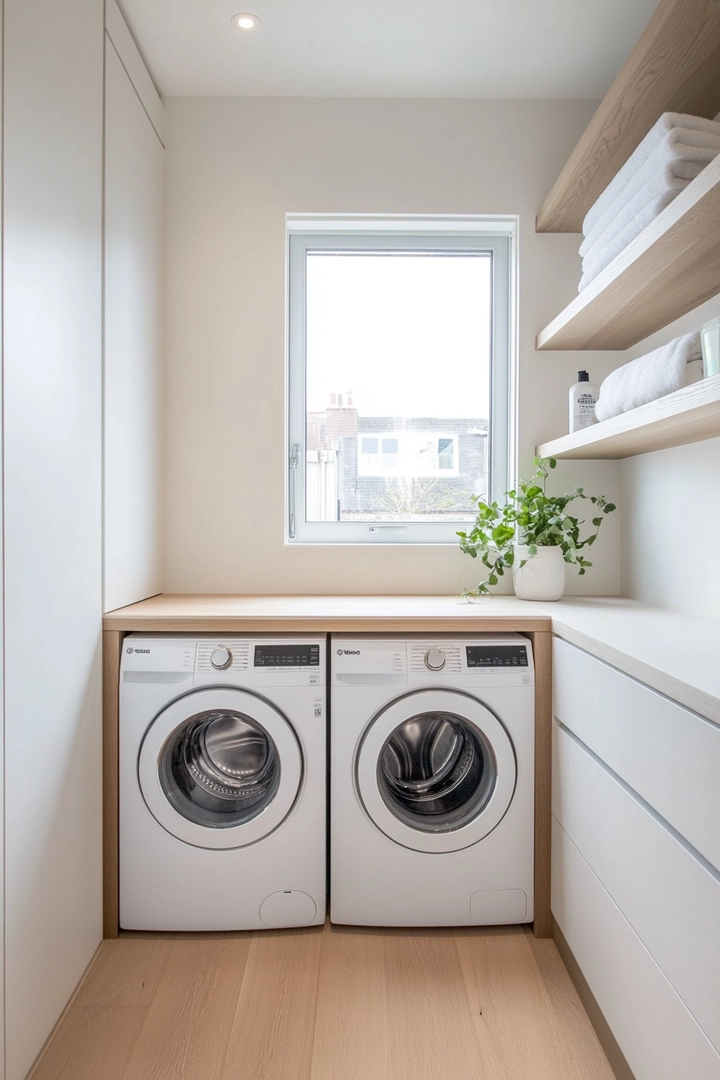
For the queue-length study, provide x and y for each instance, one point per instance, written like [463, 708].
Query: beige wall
[671, 511]
[235, 168]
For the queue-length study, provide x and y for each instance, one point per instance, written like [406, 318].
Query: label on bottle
[582, 411]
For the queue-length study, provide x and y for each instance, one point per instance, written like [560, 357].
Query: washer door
[436, 770]
[220, 768]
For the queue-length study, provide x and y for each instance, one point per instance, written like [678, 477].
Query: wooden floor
[330, 1003]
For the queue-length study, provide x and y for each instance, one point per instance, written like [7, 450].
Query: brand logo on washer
[138, 650]
[348, 652]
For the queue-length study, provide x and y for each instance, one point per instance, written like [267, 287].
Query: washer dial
[435, 659]
[221, 658]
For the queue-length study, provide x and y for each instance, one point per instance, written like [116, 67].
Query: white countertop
[675, 654]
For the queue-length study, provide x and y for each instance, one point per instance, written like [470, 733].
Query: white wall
[52, 508]
[671, 511]
[235, 168]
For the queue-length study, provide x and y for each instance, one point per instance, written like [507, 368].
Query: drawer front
[654, 1029]
[671, 900]
[665, 752]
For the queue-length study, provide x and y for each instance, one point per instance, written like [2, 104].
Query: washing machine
[432, 785]
[222, 760]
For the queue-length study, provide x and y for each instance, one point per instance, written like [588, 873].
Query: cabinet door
[665, 752]
[670, 898]
[134, 161]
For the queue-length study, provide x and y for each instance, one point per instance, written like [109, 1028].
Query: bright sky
[409, 335]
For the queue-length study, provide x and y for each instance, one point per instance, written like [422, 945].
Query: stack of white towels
[671, 155]
[651, 376]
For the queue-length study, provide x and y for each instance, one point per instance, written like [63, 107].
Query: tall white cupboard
[53, 489]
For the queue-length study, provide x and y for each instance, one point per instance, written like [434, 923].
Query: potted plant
[533, 534]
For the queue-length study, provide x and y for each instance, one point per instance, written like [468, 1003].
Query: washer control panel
[286, 655]
[496, 656]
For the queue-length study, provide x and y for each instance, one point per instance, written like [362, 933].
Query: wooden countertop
[344, 614]
[677, 655]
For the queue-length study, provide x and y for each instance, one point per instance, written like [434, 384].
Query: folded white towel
[666, 123]
[651, 376]
[673, 163]
[630, 225]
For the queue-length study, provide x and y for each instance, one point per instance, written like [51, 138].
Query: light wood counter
[187, 613]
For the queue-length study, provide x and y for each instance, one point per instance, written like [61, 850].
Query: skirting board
[605, 1036]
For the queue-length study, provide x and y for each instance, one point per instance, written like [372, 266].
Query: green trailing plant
[530, 516]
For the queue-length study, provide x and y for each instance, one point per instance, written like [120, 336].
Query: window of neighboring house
[399, 377]
[407, 454]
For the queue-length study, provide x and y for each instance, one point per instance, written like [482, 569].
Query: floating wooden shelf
[670, 268]
[675, 67]
[689, 415]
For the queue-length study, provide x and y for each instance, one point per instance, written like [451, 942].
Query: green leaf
[610, 507]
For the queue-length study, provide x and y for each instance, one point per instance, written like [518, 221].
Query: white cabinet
[634, 891]
[133, 385]
[52, 448]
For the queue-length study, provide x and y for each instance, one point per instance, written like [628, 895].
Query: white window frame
[309, 233]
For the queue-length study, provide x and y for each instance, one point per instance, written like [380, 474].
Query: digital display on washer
[287, 656]
[491, 656]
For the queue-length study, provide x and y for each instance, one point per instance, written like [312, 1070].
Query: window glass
[398, 383]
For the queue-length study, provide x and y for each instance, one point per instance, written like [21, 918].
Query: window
[399, 377]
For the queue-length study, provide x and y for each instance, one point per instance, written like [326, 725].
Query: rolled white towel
[651, 376]
[674, 162]
[631, 225]
[637, 159]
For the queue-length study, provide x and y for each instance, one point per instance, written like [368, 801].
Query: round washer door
[220, 768]
[436, 770]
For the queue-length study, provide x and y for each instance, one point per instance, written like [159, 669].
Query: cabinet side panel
[52, 223]
[134, 161]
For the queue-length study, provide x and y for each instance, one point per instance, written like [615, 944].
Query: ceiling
[394, 48]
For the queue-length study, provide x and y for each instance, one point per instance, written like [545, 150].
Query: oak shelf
[670, 268]
[675, 67]
[689, 415]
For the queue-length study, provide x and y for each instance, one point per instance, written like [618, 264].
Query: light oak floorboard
[521, 1035]
[578, 1033]
[272, 1033]
[351, 1029]
[188, 1025]
[97, 1035]
[430, 1029]
[327, 1003]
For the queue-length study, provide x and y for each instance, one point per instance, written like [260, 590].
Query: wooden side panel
[112, 640]
[542, 648]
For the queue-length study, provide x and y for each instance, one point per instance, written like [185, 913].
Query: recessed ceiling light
[246, 21]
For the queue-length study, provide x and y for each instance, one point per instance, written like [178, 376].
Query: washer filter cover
[291, 908]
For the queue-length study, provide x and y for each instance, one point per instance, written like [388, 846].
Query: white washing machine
[222, 782]
[432, 785]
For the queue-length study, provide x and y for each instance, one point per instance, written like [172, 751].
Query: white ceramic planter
[542, 577]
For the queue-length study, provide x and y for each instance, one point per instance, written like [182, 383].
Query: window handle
[293, 463]
[386, 528]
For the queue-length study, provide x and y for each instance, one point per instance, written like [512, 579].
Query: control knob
[221, 658]
[435, 659]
